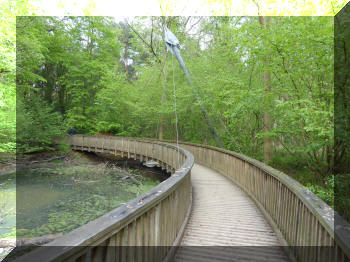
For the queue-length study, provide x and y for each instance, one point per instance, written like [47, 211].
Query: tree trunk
[264, 21]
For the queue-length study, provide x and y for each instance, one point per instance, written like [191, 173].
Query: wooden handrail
[144, 221]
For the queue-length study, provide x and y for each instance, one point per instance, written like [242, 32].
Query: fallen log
[36, 241]
[47, 160]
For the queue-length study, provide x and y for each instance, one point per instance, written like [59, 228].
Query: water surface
[55, 198]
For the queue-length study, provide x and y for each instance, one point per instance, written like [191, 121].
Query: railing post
[296, 224]
[279, 201]
[89, 143]
[134, 149]
[122, 149]
[157, 231]
[128, 148]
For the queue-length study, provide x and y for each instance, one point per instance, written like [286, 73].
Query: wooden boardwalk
[228, 221]
[224, 225]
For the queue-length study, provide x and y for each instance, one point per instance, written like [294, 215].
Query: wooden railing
[155, 219]
[304, 223]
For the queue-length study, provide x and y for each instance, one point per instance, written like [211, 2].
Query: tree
[265, 21]
[259, 80]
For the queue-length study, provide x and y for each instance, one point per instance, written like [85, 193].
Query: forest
[266, 83]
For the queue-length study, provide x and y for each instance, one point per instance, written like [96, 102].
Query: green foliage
[38, 126]
[7, 117]
[107, 127]
[63, 66]
[342, 195]
[342, 91]
[100, 76]
[325, 193]
[7, 76]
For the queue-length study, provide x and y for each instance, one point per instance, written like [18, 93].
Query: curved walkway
[226, 222]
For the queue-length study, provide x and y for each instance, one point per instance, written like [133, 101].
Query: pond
[55, 198]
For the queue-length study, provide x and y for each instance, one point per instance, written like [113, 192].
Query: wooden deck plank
[222, 215]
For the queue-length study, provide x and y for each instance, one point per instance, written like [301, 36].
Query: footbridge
[217, 205]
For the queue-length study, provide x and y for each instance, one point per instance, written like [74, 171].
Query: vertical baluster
[131, 241]
[152, 239]
[145, 240]
[134, 149]
[111, 249]
[157, 232]
[128, 145]
[124, 244]
[139, 238]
